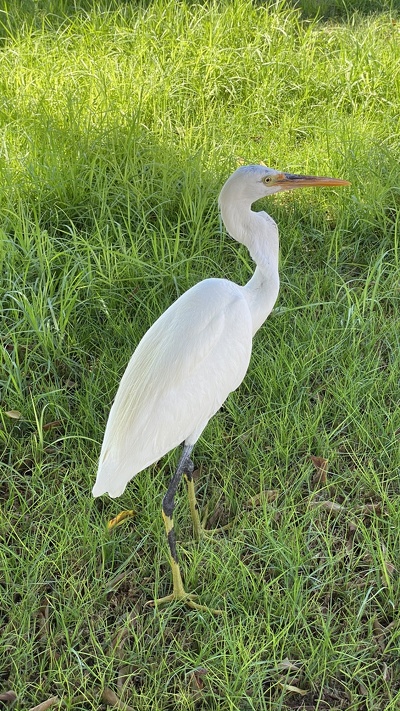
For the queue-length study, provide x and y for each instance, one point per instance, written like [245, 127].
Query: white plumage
[182, 360]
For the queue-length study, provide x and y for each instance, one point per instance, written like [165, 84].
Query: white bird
[195, 354]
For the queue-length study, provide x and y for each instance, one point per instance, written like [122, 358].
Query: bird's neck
[259, 233]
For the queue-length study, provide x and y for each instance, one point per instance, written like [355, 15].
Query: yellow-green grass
[119, 122]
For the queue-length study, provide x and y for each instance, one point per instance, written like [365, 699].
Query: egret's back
[183, 369]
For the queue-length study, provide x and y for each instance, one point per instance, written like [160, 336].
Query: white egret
[195, 354]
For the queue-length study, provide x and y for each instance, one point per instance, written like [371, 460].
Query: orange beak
[288, 181]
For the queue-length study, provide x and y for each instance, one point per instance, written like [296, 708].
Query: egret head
[252, 182]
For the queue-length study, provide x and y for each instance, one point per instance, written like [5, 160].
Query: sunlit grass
[118, 125]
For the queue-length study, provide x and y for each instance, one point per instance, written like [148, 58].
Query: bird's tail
[112, 477]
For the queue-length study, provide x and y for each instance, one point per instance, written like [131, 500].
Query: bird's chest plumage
[218, 317]
[216, 327]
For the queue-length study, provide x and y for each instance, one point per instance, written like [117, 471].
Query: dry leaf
[196, 683]
[108, 697]
[120, 638]
[287, 664]
[51, 425]
[330, 506]
[217, 515]
[371, 508]
[386, 673]
[8, 696]
[120, 518]
[50, 450]
[14, 414]
[363, 689]
[124, 673]
[321, 474]
[390, 568]
[43, 619]
[196, 473]
[293, 689]
[379, 634]
[350, 538]
[71, 384]
[46, 704]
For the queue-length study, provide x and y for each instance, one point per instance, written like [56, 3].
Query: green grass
[119, 123]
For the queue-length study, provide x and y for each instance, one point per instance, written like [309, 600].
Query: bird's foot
[179, 593]
[205, 533]
[184, 597]
[201, 531]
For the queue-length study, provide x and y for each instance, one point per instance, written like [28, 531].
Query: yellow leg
[194, 507]
[178, 591]
[199, 529]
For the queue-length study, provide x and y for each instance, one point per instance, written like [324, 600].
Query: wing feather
[179, 375]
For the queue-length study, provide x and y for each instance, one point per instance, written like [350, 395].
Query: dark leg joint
[188, 476]
[172, 545]
[168, 504]
[189, 468]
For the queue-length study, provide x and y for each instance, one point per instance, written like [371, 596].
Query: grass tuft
[118, 123]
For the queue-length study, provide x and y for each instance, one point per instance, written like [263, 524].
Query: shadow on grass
[342, 9]
[52, 13]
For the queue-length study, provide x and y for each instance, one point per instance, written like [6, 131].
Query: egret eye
[267, 179]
